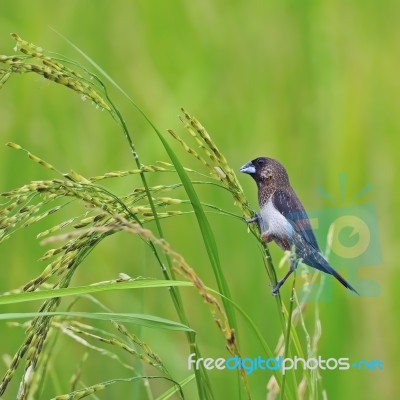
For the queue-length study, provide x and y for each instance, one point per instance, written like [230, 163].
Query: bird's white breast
[275, 222]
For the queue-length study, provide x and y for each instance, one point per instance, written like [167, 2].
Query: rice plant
[104, 214]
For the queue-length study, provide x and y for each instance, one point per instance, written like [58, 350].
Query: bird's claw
[257, 218]
[275, 291]
[254, 219]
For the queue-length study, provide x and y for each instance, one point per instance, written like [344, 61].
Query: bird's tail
[342, 280]
[316, 260]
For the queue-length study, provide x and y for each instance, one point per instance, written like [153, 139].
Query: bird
[283, 219]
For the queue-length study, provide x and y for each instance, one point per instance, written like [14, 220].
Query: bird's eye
[260, 162]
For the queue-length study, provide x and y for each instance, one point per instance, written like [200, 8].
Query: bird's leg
[293, 262]
[275, 290]
[257, 218]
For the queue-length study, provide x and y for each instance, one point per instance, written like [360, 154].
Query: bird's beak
[248, 168]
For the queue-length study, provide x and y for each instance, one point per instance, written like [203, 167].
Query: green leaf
[170, 392]
[149, 321]
[52, 293]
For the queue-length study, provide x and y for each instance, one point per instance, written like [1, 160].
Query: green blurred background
[314, 84]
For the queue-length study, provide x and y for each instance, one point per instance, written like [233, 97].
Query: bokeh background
[314, 84]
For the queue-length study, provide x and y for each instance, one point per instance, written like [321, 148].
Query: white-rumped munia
[284, 217]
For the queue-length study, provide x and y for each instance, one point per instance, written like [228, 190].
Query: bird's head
[266, 171]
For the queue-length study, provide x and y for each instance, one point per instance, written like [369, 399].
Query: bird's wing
[291, 208]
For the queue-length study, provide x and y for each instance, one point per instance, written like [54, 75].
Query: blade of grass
[149, 321]
[287, 339]
[80, 290]
[170, 392]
